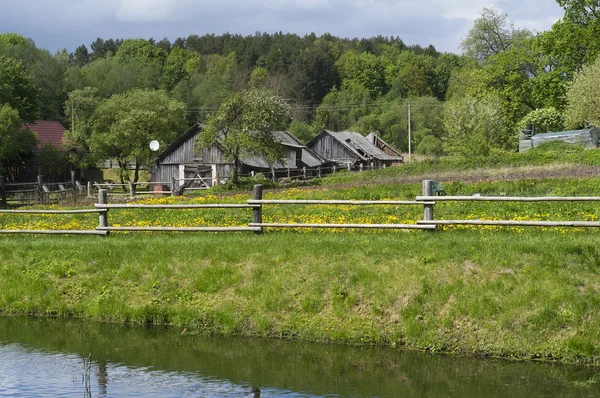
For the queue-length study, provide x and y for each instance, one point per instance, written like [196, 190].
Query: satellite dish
[154, 145]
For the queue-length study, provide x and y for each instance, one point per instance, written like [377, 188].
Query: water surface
[44, 357]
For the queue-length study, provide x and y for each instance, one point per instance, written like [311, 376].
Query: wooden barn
[397, 159]
[349, 148]
[182, 162]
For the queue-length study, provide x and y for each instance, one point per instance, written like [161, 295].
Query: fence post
[90, 190]
[173, 187]
[102, 200]
[428, 191]
[304, 172]
[257, 211]
[361, 167]
[74, 186]
[40, 190]
[349, 166]
[319, 171]
[289, 171]
[334, 169]
[3, 192]
[131, 190]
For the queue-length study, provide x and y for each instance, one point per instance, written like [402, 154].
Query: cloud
[68, 23]
[146, 10]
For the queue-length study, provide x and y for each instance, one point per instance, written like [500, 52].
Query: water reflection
[143, 361]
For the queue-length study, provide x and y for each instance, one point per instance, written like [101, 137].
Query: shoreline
[526, 296]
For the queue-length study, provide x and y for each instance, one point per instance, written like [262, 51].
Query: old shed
[348, 147]
[182, 162]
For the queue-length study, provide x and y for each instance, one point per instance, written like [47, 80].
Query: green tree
[81, 56]
[79, 111]
[302, 131]
[17, 89]
[13, 142]
[123, 126]
[581, 11]
[45, 71]
[341, 109]
[179, 65]
[243, 127]
[313, 73]
[492, 33]
[583, 96]
[51, 161]
[544, 120]
[475, 127]
[367, 70]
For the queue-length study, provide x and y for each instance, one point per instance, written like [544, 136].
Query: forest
[117, 93]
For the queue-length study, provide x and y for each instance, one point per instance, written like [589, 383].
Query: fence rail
[511, 198]
[257, 204]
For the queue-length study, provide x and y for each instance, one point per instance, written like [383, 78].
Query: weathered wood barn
[376, 140]
[181, 161]
[348, 147]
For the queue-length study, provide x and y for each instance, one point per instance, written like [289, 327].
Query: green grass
[527, 295]
[510, 292]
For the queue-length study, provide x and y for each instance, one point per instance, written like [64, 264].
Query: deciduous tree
[583, 96]
[123, 126]
[491, 34]
[243, 127]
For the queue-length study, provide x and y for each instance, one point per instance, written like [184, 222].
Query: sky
[58, 24]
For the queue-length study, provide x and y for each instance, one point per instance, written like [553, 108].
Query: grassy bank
[526, 295]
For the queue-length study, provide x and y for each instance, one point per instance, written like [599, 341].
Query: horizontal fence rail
[344, 226]
[428, 216]
[181, 229]
[339, 202]
[105, 207]
[53, 211]
[515, 223]
[342, 202]
[189, 206]
[54, 231]
[510, 198]
[257, 204]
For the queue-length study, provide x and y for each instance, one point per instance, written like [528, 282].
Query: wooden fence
[428, 217]
[40, 192]
[257, 205]
[257, 224]
[102, 213]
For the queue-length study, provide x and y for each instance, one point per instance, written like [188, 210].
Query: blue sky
[57, 24]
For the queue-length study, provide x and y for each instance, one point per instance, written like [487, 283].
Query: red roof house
[48, 132]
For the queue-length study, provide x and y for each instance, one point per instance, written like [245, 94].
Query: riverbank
[530, 294]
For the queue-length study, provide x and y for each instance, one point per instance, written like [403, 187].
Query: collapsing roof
[385, 147]
[348, 147]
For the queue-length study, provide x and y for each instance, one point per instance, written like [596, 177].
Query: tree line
[107, 94]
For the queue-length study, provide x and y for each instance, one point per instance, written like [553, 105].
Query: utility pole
[409, 146]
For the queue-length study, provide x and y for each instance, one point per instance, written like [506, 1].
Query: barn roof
[48, 132]
[310, 158]
[356, 143]
[381, 144]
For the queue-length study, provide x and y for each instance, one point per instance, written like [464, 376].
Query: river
[70, 358]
